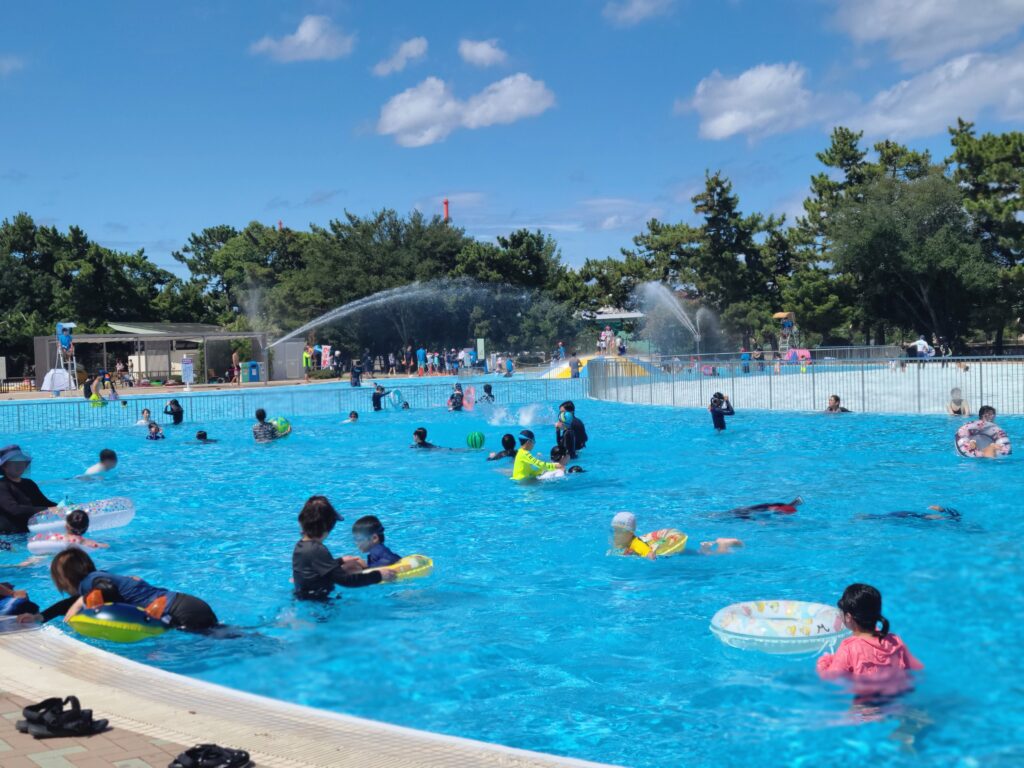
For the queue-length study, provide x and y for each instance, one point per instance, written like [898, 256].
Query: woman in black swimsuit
[957, 406]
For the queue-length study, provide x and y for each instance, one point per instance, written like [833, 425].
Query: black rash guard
[718, 414]
[18, 502]
[315, 572]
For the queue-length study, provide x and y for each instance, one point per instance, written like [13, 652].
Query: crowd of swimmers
[871, 650]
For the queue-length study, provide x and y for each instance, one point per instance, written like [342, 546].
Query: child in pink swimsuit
[871, 651]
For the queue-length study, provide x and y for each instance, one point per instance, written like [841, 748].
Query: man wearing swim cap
[528, 466]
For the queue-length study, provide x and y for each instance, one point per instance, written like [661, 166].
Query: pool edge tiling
[164, 705]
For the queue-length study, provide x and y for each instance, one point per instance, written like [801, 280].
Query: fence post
[771, 401]
[672, 383]
[650, 374]
[863, 394]
[814, 385]
[919, 367]
[981, 384]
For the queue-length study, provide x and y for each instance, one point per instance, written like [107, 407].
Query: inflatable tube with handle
[104, 514]
[973, 438]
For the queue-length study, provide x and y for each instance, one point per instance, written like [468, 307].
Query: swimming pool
[527, 635]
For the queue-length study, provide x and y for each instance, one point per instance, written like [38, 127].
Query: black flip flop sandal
[211, 756]
[72, 722]
[34, 713]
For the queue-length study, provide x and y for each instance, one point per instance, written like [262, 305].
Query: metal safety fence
[72, 412]
[903, 385]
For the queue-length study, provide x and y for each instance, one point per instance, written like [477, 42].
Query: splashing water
[659, 294]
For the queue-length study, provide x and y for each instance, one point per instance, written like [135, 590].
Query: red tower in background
[446, 217]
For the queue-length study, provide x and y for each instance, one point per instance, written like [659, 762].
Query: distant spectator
[745, 359]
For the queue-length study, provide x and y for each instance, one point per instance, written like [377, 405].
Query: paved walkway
[154, 712]
[118, 747]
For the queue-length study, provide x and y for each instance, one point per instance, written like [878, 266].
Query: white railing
[867, 385]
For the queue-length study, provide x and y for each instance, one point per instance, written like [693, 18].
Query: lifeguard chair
[789, 335]
[64, 375]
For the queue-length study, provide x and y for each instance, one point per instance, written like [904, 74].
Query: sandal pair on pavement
[50, 719]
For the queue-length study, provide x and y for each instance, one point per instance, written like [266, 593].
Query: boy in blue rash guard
[720, 408]
[368, 533]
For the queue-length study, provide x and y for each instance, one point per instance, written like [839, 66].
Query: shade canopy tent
[157, 346]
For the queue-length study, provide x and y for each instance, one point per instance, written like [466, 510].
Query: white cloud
[929, 102]
[428, 112]
[768, 98]
[919, 32]
[316, 39]
[626, 13]
[482, 53]
[608, 213]
[410, 50]
[10, 64]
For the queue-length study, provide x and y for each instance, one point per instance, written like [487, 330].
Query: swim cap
[525, 436]
[624, 520]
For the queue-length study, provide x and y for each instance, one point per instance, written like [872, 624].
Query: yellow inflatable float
[664, 543]
[409, 567]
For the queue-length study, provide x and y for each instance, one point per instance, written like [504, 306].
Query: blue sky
[143, 123]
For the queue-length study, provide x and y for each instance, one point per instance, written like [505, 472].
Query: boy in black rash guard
[720, 408]
[377, 396]
[508, 442]
[419, 439]
[314, 570]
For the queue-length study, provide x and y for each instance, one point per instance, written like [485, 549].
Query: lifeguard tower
[789, 335]
[64, 375]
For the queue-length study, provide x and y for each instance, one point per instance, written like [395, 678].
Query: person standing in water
[957, 406]
[720, 408]
[378, 395]
[175, 411]
[20, 498]
[527, 466]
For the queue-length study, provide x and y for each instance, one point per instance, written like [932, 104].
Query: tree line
[891, 243]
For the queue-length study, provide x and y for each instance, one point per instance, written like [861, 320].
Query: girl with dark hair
[871, 651]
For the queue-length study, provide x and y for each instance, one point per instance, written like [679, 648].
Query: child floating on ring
[667, 541]
[368, 534]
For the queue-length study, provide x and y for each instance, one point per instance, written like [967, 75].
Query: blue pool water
[528, 635]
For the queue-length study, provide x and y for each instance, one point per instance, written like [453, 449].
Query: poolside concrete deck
[154, 713]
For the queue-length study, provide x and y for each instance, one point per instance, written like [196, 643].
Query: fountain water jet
[459, 289]
[655, 294]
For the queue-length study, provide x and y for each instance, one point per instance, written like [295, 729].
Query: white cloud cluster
[411, 50]
[626, 13]
[428, 112]
[315, 39]
[482, 53]
[771, 98]
[768, 98]
[920, 32]
[10, 64]
[932, 100]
